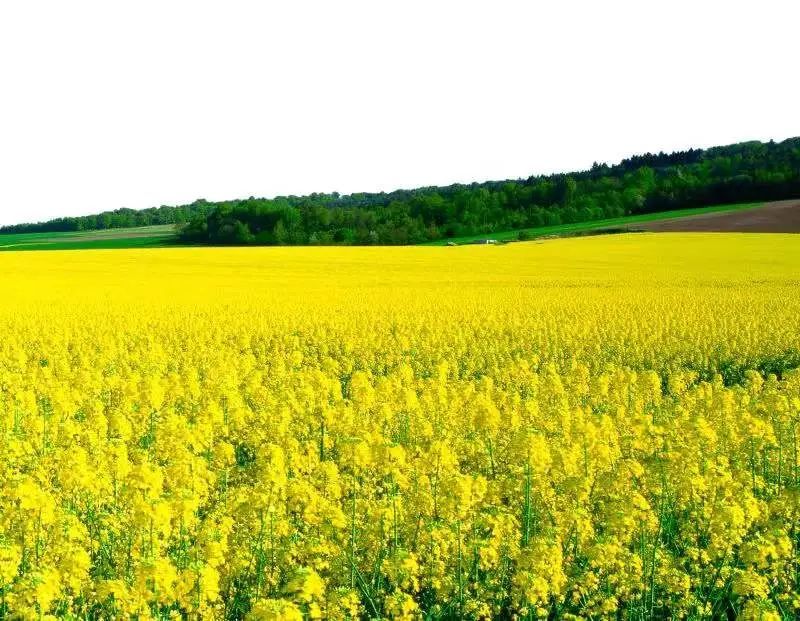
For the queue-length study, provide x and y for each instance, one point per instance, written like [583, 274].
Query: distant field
[145, 236]
[775, 217]
[597, 225]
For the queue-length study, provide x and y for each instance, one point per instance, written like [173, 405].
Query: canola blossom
[571, 429]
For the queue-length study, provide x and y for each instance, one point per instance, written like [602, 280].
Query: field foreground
[581, 428]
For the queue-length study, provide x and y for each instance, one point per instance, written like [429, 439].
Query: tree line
[744, 172]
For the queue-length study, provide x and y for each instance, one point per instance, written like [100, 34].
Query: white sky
[146, 102]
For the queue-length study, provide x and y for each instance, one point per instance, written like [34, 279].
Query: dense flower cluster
[588, 428]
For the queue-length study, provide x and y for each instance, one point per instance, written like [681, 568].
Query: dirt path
[777, 217]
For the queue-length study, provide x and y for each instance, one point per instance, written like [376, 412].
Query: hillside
[136, 237]
[637, 187]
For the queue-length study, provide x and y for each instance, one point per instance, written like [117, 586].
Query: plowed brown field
[776, 217]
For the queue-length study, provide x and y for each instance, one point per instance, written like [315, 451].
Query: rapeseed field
[571, 429]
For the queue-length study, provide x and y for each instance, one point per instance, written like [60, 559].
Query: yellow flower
[274, 610]
[306, 586]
